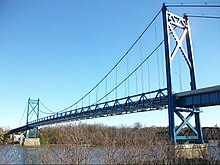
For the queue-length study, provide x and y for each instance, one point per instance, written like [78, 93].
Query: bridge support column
[21, 139]
[171, 22]
[31, 142]
[171, 107]
[33, 107]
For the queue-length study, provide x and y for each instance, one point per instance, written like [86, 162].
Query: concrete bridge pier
[21, 139]
[191, 151]
[32, 139]
[31, 142]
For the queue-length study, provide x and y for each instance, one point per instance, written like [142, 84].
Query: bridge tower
[172, 23]
[33, 109]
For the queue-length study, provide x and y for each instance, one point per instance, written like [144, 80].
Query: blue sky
[58, 50]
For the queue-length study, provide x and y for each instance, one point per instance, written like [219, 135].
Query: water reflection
[77, 155]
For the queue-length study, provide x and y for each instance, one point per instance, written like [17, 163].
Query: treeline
[100, 144]
[1, 136]
[211, 133]
[97, 134]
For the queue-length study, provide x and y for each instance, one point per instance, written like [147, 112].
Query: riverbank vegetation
[94, 134]
[8, 154]
[1, 136]
[100, 144]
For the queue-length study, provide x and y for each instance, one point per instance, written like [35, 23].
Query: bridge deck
[131, 104]
[199, 98]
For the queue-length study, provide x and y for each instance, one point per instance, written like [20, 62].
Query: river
[84, 155]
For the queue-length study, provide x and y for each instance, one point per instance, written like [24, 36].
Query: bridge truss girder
[149, 101]
[154, 100]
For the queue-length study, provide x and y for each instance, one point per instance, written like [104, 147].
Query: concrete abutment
[31, 142]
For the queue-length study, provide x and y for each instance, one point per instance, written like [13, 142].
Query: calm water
[48, 155]
[35, 155]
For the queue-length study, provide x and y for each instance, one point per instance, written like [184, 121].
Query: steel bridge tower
[172, 23]
[33, 109]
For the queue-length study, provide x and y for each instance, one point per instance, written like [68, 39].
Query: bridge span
[203, 97]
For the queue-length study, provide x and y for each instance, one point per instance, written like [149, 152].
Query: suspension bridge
[176, 41]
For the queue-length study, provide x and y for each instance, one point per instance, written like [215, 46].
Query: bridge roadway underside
[190, 99]
[199, 98]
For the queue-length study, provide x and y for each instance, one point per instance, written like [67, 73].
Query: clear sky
[57, 50]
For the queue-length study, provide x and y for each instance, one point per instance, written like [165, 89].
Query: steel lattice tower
[171, 23]
[33, 109]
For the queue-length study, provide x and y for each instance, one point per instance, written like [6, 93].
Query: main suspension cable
[131, 72]
[47, 112]
[205, 5]
[23, 114]
[116, 63]
[202, 16]
[47, 108]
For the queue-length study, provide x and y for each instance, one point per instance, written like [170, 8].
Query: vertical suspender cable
[158, 64]
[136, 83]
[142, 77]
[116, 82]
[106, 89]
[125, 88]
[97, 90]
[82, 102]
[180, 73]
[163, 68]
[148, 75]
[89, 99]
[127, 75]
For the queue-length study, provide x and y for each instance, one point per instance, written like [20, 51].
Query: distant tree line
[1, 136]
[100, 144]
[83, 144]
[96, 134]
